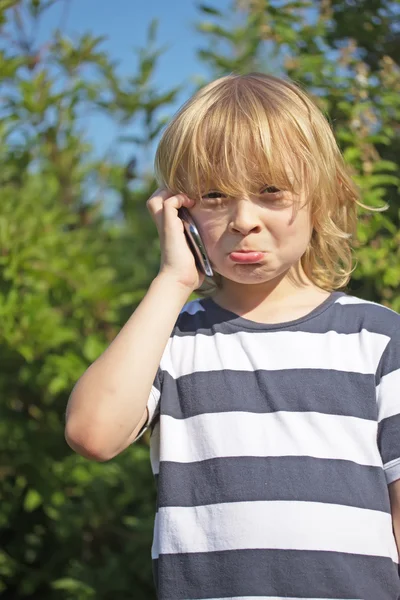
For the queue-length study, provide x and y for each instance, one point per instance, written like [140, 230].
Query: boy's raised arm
[107, 406]
[109, 401]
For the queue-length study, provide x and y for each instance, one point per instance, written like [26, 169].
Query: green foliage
[70, 276]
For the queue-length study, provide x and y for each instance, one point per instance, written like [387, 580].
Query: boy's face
[276, 224]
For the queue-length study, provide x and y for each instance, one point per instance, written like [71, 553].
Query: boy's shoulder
[369, 315]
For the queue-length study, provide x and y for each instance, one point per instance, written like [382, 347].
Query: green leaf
[152, 31]
[5, 4]
[352, 154]
[385, 165]
[93, 347]
[209, 10]
[73, 585]
[32, 500]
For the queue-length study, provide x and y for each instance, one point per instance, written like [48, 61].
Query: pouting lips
[246, 256]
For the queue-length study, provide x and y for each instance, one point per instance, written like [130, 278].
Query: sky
[125, 24]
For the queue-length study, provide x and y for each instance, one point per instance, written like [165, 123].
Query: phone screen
[195, 242]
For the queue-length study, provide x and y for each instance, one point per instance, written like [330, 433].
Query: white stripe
[281, 433]
[274, 350]
[392, 470]
[388, 395]
[352, 300]
[152, 404]
[355, 300]
[152, 408]
[310, 526]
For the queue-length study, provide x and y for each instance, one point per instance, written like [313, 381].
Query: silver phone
[195, 242]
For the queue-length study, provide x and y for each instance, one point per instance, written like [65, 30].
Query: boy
[273, 401]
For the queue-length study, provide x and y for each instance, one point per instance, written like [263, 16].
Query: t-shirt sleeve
[388, 399]
[153, 404]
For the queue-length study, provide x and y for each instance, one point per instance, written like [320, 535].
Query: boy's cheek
[211, 231]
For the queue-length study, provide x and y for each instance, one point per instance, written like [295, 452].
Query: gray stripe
[158, 379]
[389, 438]
[283, 573]
[288, 478]
[332, 316]
[317, 390]
[390, 360]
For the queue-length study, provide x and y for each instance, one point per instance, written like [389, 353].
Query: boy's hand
[176, 257]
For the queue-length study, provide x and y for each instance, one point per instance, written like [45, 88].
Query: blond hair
[242, 132]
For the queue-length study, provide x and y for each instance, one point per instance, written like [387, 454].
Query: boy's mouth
[246, 256]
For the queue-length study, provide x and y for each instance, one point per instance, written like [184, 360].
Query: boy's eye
[214, 199]
[213, 195]
[270, 189]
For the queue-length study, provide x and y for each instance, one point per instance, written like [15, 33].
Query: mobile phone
[195, 242]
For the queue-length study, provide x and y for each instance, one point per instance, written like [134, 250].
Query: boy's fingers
[156, 201]
[171, 205]
[155, 206]
[162, 206]
[177, 201]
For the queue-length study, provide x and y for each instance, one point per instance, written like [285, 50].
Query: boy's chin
[248, 274]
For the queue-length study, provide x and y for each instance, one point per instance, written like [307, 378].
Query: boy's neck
[287, 298]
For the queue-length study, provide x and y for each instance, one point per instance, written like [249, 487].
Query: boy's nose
[243, 218]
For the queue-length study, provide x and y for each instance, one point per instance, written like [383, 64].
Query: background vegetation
[71, 529]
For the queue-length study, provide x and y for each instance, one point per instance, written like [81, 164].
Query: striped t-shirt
[273, 447]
